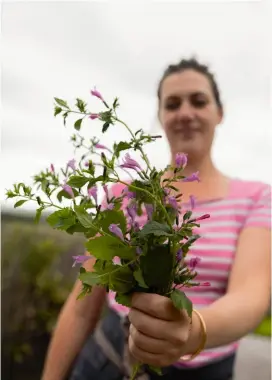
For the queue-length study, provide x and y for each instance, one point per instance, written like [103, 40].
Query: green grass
[264, 328]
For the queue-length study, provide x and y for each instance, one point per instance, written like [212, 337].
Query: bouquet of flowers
[129, 257]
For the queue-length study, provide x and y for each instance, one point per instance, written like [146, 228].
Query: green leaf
[62, 219]
[105, 127]
[38, 214]
[181, 301]
[81, 105]
[77, 181]
[20, 203]
[84, 218]
[155, 228]
[61, 102]
[122, 280]
[161, 258]
[123, 299]
[122, 145]
[65, 115]
[107, 247]
[115, 103]
[64, 194]
[185, 247]
[157, 370]
[77, 124]
[139, 278]
[187, 215]
[109, 217]
[57, 110]
[86, 289]
[90, 278]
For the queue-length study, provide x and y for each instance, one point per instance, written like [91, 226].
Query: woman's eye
[172, 106]
[198, 102]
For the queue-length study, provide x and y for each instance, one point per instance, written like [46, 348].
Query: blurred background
[63, 49]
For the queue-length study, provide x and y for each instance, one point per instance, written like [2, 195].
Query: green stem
[43, 202]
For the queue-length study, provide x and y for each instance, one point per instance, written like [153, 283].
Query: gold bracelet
[203, 340]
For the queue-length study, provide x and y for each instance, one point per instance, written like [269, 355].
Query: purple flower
[116, 231]
[92, 192]
[193, 177]
[100, 146]
[68, 190]
[106, 191]
[52, 168]
[136, 226]
[173, 202]
[129, 163]
[80, 259]
[181, 160]
[132, 211]
[194, 262]
[72, 164]
[192, 201]
[128, 194]
[110, 206]
[94, 116]
[97, 94]
[166, 190]
[149, 210]
[179, 254]
[139, 251]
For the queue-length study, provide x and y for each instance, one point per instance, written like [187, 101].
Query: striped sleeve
[260, 213]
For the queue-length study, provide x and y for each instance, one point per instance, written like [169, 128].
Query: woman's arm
[77, 320]
[247, 299]
[160, 334]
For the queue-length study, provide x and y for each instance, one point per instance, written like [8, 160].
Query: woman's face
[189, 113]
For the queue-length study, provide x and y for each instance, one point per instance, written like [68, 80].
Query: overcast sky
[64, 49]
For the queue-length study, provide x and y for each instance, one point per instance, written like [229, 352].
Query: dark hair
[192, 64]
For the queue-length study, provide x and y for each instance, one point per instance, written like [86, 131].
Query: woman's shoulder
[242, 188]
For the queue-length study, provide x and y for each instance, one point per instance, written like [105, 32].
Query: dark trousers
[93, 364]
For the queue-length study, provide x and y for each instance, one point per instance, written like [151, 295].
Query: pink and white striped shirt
[248, 204]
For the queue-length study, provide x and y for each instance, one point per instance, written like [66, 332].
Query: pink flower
[116, 231]
[194, 262]
[80, 259]
[193, 177]
[100, 146]
[205, 216]
[97, 94]
[181, 160]
[192, 201]
[68, 190]
[92, 192]
[72, 164]
[94, 116]
[130, 163]
[52, 168]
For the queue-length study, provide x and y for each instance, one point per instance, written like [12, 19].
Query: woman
[235, 260]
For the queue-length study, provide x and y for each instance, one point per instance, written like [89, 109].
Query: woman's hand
[158, 332]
